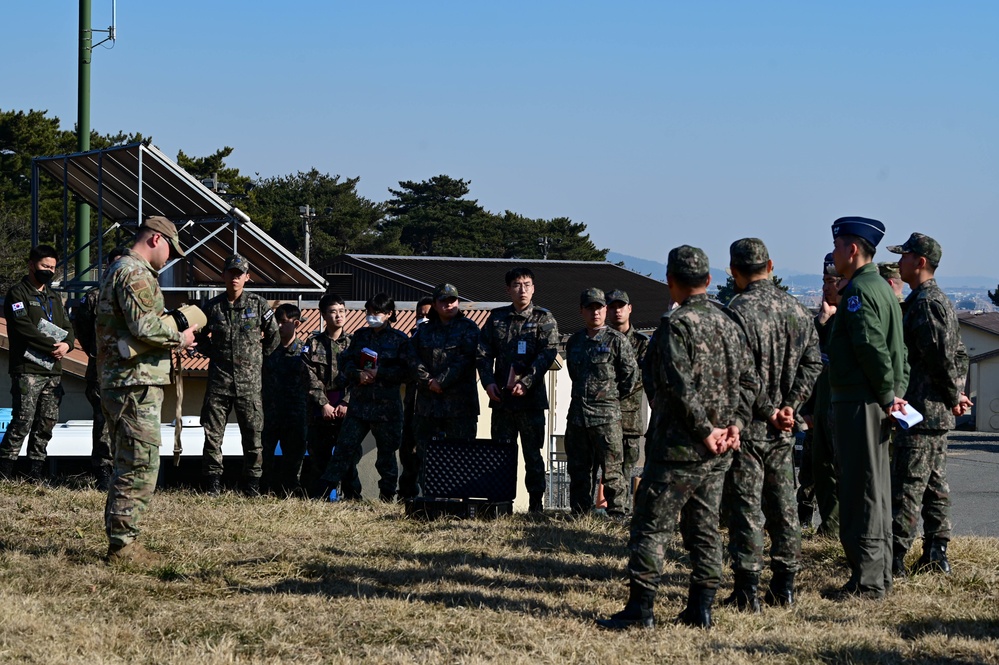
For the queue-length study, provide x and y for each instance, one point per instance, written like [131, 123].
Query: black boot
[213, 485]
[7, 469]
[637, 613]
[698, 612]
[934, 558]
[102, 478]
[898, 569]
[252, 487]
[36, 471]
[536, 506]
[744, 591]
[781, 589]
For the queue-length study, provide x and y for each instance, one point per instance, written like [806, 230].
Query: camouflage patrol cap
[445, 292]
[829, 266]
[167, 229]
[617, 295]
[590, 296]
[748, 252]
[687, 261]
[236, 262]
[889, 270]
[920, 244]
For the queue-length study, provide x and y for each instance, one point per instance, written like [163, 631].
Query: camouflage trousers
[806, 484]
[425, 428]
[133, 417]
[283, 473]
[919, 481]
[632, 453]
[34, 413]
[762, 496]
[694, 488]
[100, 452]
[322, 439]
[588, 449]
[861, 432]
[347, 453]
[506, 424]
[249, 415]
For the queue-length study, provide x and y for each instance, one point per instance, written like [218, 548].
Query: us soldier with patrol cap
[889, 273]
[241, 330]
[602, 367]
[632, 414]
[938, 366]
[131, 303]
[868, 374]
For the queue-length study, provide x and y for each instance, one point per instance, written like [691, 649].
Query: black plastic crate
[477, 469]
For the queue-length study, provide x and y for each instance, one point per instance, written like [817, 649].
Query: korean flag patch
[18, 309]
[853, 304]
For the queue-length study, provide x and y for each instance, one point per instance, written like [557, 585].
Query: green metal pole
[83, 135]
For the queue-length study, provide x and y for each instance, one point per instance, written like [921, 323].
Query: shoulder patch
[18, 309]
[268, 314]
[853, 304]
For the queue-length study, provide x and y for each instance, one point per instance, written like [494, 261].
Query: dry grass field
[267, 580]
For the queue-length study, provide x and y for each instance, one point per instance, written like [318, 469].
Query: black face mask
[44, 276]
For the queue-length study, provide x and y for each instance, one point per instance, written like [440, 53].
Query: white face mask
[375, 321]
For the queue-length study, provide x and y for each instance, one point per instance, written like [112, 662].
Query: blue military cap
[870, 230]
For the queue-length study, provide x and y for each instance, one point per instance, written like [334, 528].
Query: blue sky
[656, 124]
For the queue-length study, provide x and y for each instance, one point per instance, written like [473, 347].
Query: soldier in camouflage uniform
[36, 382]
[328, 396]
[889, 273]
[785, 346]
[632, 413]
[517, 347]
[442, 359]
[131, 303]
[818, 470]
[241, 330]
[84, 326]
[602, 367]
[287, 383]
[375, 398]
[707, 384]
[409, 461]
[938, 366]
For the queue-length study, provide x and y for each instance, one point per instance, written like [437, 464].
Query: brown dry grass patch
[266, 580]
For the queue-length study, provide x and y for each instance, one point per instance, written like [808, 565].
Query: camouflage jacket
[785, 346]
[286, 383]
[85, 328]
[131, 303]
[706, 379]
[632, 413]
[602, 368]
[938, 362]
[23, 308]
[446, 353]
[650, 362]
[236, 339]
[527, 343]
[381, 400]
[867, 357]
[322, 355]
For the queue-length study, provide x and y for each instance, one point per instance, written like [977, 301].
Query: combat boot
[637, 613]
[744, 592]
[536, 505]
[102, 478]
[6, 469]
[698, 612]
[36, 471]
[133, 554]
[252, 488]
[781, 589]
[898, 563]
[213, 485]
[934, 558]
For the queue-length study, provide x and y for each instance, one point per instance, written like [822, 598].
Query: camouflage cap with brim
[889, 270]
[236, 262]
[748, 252]
[168, 230]
[445, 292]
[590, 296]
[617, 295]
[920, 244]
[686, 261]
